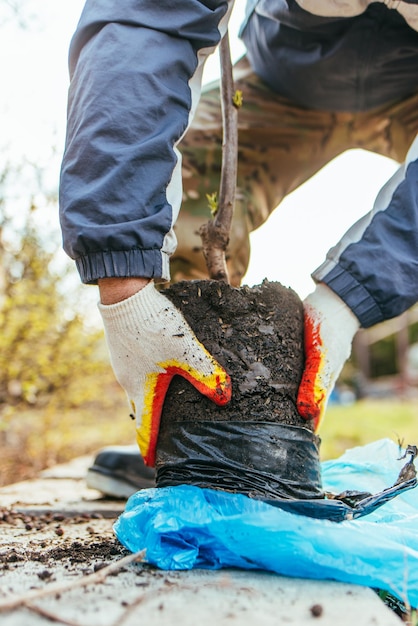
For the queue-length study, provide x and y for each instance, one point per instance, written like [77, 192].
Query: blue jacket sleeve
[374, 268]
[135, 70]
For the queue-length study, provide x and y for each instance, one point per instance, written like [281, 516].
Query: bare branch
[215, 234]
[14, 11]
[52, 617]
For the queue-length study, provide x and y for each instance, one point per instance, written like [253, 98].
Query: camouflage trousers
[281, 145]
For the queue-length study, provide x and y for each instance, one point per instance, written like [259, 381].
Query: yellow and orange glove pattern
[329, 328]
[149, 342]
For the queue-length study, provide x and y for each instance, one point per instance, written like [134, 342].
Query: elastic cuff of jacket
[356, 297]
[123, 264]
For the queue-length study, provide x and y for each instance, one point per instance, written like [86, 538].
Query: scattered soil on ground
[52, 537]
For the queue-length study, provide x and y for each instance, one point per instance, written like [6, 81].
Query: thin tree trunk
[215, 233]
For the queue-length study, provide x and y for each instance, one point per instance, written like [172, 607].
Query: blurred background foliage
[58, 396]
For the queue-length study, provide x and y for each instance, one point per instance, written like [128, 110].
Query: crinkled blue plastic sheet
[188, 527]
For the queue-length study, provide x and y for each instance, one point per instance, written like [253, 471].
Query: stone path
[56, 538]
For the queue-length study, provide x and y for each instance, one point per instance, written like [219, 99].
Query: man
[319, 77]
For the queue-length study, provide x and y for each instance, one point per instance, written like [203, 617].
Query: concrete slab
[137, 596]
[60, 489]
[56, 532]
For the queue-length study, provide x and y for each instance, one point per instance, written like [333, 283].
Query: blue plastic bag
[188, 527]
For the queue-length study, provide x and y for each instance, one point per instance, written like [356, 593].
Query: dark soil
[257, 335]
[257, 444]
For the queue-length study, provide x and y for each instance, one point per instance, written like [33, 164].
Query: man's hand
[150, 342]
[329, 330]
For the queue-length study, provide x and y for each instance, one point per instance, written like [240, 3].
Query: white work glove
[150, 342]
[329, 329]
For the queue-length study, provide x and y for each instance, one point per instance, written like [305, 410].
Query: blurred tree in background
[44, 349]
[58, 397]
[12, 10]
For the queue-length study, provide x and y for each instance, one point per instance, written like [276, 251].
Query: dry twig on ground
[27, 599]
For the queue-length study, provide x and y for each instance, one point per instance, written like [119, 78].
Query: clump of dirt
[79, 552]
[38, 522]
[257, 444]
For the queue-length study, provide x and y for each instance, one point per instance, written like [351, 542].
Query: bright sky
[34, 82]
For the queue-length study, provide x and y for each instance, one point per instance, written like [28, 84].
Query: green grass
[368, 420]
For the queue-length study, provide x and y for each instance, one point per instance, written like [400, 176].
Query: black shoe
[119, 471]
